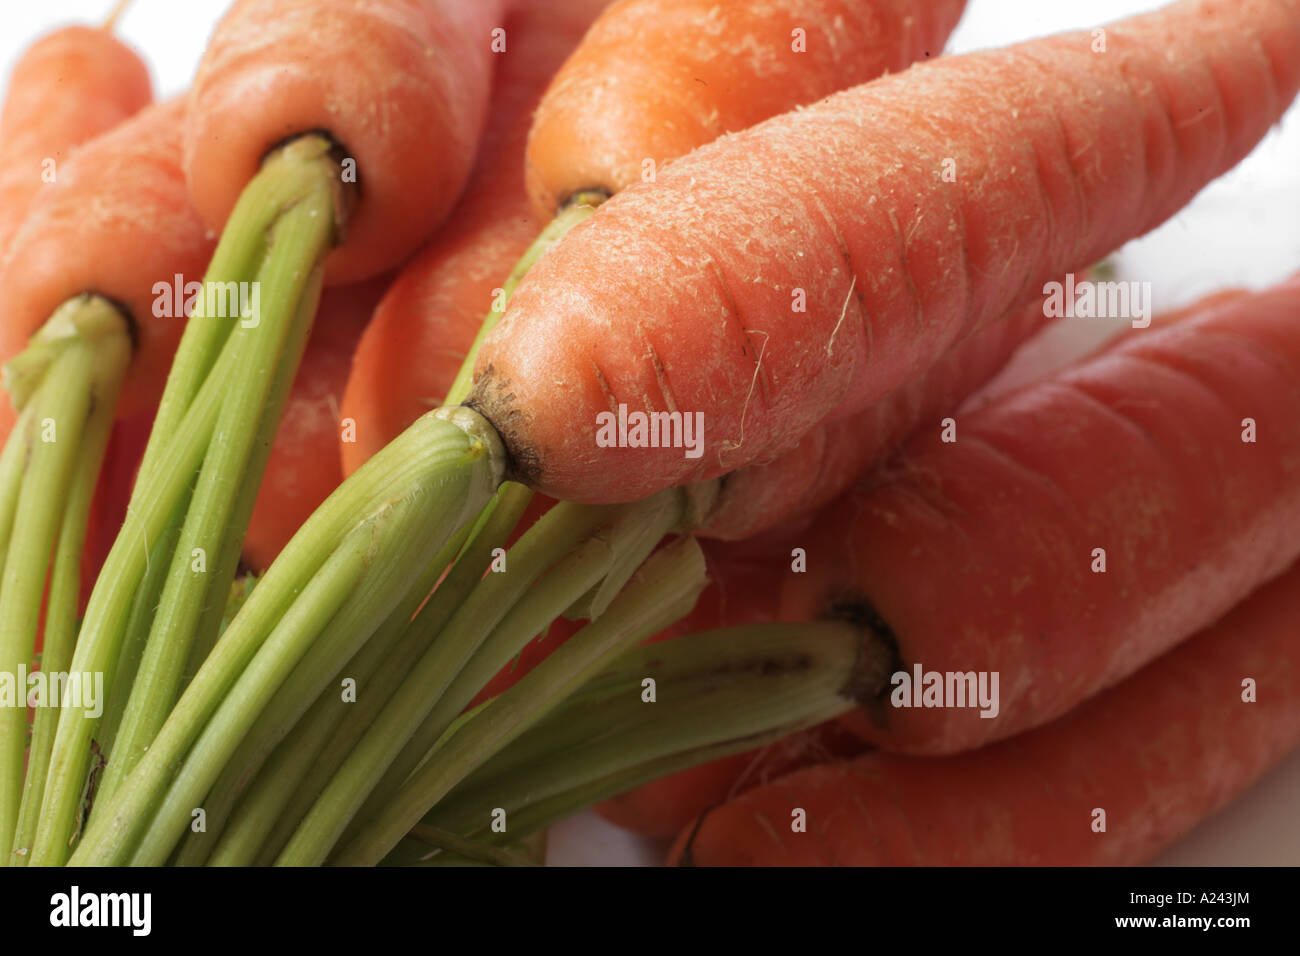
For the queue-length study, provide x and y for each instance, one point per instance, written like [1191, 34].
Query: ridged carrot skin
[67, 88]
[1158, 753]
[587, 117]
[304, 464]
[654, 79]
[117, 221]
[401, 85]
[1077, 527]
[834, 455]
[680, 295]
[425, 325]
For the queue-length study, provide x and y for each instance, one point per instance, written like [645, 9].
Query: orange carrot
[304, 464]
[117, 222]
[437, 304]
[902, 215]
[596, 116]
[654, 79]
[833, 455]
[1075, 528]
[401, 86]
[67, 88]
[1157, 754]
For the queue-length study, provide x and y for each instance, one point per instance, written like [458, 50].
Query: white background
[1242, 230]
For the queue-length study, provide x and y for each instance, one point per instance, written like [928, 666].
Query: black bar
[554, 906]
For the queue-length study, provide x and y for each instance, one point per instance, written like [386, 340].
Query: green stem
[716, 693]
[664, 589]
[136, 633]
[308, 686]
[13, 464]
[467, 849]
[196, 396]
[284, 178]
[113, 357]
[578, 209]
[268, 356]
[321, 742]
[534, 612]
[154, 501]
[486, 605]
[448, 463]
[337, 615]
[91, 352]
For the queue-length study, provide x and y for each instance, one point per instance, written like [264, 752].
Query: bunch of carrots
[328, 536]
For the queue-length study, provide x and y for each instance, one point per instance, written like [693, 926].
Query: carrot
[438, 301]
[304, 464]
[1157, 754]
[607, 110]
[400, 86]
[835, 454]
[439, 297]
[67, 88]
[654, 79]
[746, 576]
[118, 223]
[1077, 527]
[683, 294]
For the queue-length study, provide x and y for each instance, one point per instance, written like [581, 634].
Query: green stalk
[385, 574]
[147, 596]
[99, 644]
[532, 815]
[574, 575]
[664, 589]
[489, 602]
[717, 692]
[308, 685]
[285, 176]
[576, 213]
[322, 740]
[588, 577]
[196, 395]
[113, 353]
[290, 282]
[13, 464]
[450, 460]
[88, 348]
[470, 851]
